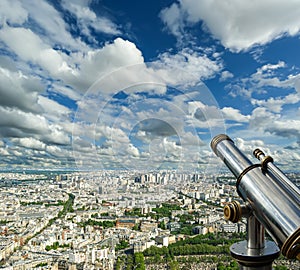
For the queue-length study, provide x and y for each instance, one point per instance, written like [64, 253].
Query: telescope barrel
[274, 204]
[267, 164]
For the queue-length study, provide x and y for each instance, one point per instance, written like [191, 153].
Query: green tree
[162, 225]
[221, 266]
[122, 245]
[129, 262]
[173, 265]
[280, 267]
[139, 261]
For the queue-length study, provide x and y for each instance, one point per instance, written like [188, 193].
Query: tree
[173, 265]
[280, 267]
[162, 225]
[129, 263]
[139, 261]
[221, 266]
[122, 245]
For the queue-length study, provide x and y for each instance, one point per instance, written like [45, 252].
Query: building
[140, 246]
[148, 226]
[200, 230]
[126, 223]
[174, 226]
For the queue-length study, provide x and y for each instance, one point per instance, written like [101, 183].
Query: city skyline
[146, 86]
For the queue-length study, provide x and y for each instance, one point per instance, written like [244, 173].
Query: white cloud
[269, 67]
[188, 138]
[264, 78]
[157, 129]
[32, 123]
[173, 17]
[115, 133]
[16, 123]
[248, 146]
[276, 104]
[214, 116]
[285, 128]
[237, 24]
[52, 125]
[12, 12]
[31, 143]
[96, 64]
[79, 69]
[89, 19]
[225, 75]
[186, 67]
[13, 118]
[66, 91]
[18, 90]
[29, 47]
[234, 115]
[261, 117]
[4, 152]
[133, 151]
[270, 123]
[294, 81]
[56, 31]
[53, 110]
[45, 21]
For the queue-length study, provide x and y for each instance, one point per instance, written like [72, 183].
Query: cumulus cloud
[53, 110]
[234, 115]
[13, 12]
[248, 146]
[14, 85]
[238, 25]
[96, 64]
[265, 80]
[29, 47]
[187, 67]
[285, 128]
[270, 123]
[48, 23]
[88, 19]
[133, 151]
[225, 75]
[118, 109]
[276, 104]
[31, 143]
[16, 123]
[205, 116]
[157, 127]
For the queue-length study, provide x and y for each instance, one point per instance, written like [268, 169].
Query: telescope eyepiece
[216, 140]
[257, 153]
[260, 155]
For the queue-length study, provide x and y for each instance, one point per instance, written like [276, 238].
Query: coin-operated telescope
[271, 203]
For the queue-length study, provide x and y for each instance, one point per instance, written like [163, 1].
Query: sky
[146, 85]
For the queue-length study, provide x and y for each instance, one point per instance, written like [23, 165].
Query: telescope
[271, 202]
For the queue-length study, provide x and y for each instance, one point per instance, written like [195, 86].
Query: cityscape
[127, 131]
[119, 220]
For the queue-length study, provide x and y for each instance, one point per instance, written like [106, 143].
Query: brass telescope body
[271, 197]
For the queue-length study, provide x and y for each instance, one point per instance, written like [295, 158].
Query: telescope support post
[255, 233]
[255, 253]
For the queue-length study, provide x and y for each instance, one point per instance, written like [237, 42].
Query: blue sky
[146, 85]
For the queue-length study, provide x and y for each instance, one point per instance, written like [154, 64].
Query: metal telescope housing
[270, 198]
